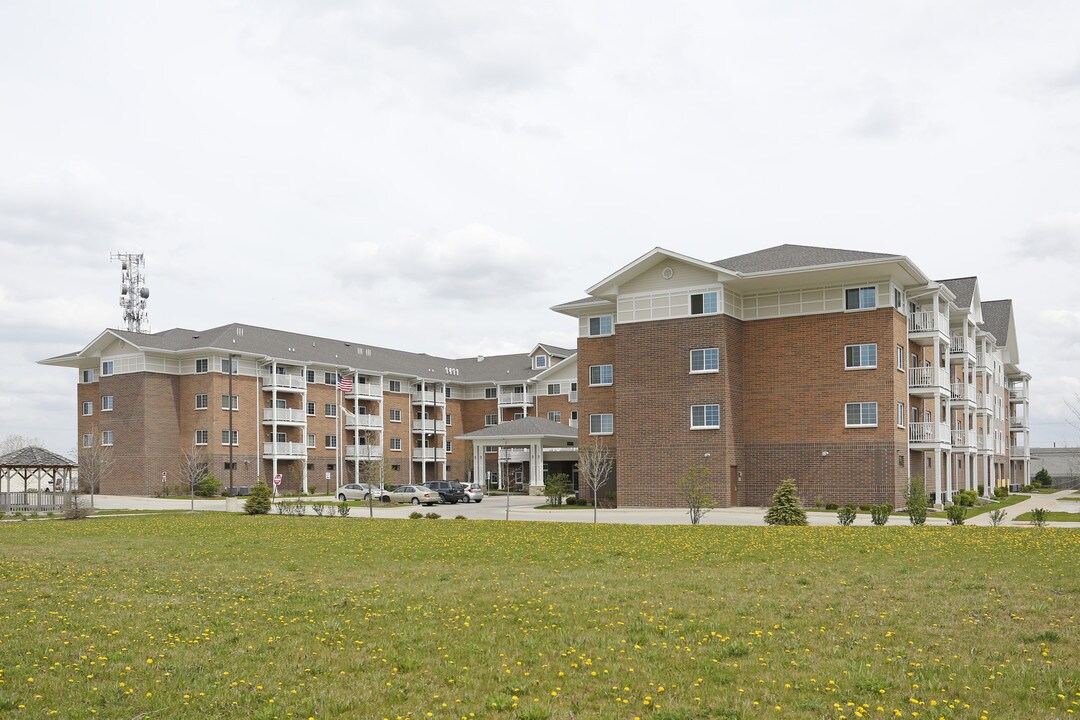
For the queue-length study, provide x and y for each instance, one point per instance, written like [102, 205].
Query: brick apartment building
[279, 400]
[848, 371]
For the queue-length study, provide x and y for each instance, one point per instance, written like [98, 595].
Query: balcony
[984, 361]
[284, 381]
[428, 397]
[428, 454]
[371, 390]
[1017, 394]
[1018, 422]
[963, 392]
[964, 440]
[959, 346]
[363, 452]
[283, 416]
[573, 396]
[984, 404]
[363, 422]
[925, 325]
[927, 381]
[984, 442]
[429, 425]
[516, 399]
[1019, 452]
[284, 450]
[929, 433]
[514, 455]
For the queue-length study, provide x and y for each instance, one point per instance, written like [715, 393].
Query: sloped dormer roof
[790, 257]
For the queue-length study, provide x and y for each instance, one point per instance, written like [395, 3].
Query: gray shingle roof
[35, 457]
[525, 427]
[789, 257]
[962, 288]
[996, 315]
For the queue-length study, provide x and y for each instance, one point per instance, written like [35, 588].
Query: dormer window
[540, 362]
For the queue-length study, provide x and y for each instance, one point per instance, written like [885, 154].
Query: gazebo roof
[528, 427]
[35, 457]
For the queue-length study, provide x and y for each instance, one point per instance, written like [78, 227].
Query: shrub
[209, 486]
[298, 507]
[1043, 479]
[571, 500]
[865, 507]
[1001, 492]
[785, 509]
[460, 517]
[916, 500]
[965, 498]
[343, 509]
[846, 516]
[956, 514]
[258, 502]
[555, 486]
[832, 506]
[997, 517]
[1026, 488]
[1038, 517]
[433, 516]
[414, 515]
[879, 514]
[980, 489]
[318, 508]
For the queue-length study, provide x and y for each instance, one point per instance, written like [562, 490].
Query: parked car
[361, 491]
[415, 494]
[473, 492]
[449, 491]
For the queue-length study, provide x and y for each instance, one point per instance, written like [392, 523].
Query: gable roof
[997, 316]
[963, 289]
[527, 427]
[791, 257]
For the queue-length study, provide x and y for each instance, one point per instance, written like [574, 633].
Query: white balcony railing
[928, 377]
[1017, 393]
[284, 449]
[370, 390]
[984, 442]
[284, 415]
[984, 360]
[984, 402]
[428, 426]
[428, 453]
[1017, 422]
[515, 398]
[428, 397]
[958, 345]
[964, 439]
[963, 391]
[572, 423]
[573, 396]
[924, 321]
[284, 381]
[363, 452]
[363, 422]
[929, 432]
[1018, 452]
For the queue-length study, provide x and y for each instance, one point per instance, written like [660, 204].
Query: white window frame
[395, 444]
[235, 402]
[106, 403]
[863, 294]
[202, 437]
[330, 378]
[599, 330]
[393, 386]
[711, 294]
[87, 407]
[901, 414]
[597, 420]
[88, 376]
[704, 354]
[394, 414]
[702, 421]
[225, 366]
[88, 440]
[491, 393]
[449, 446]
[901, 353]
[519, 416]
[205, 401]
[310, 409]
[860, 357]
[309, 376]
[107, 368]
[600, 375]
[235, 437]
[330, 410]
[863, 406]
[540, 362]
[491, 419]
[556, 386]
[555, 416]
[203, 363]
[331, 442]
[107, 438]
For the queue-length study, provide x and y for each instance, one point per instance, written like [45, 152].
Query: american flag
[344, 383]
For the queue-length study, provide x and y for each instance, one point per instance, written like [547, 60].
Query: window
[106, 368]
[573, 416]
[554, 389]
[863, 298]
[395, 386]
[555, 416]
[899, 357]
[225, 437]
[331, 441]
[395, 415]
[106, 403]
[601, 424]
[88, 440]
[202, 365]
[225, 366]
[449, 446]
[202, 437]
[519, 416]
[310, 440]
[310, 375]
[899, 414]
[88, 408]
[860, 356]
[491, 393]
[898, 299]
[329, 378]
[446, 391]
[491, 419]
[540, 361]
[107, 437]
[311, 408]
[395, 468]
[449, 419]
[395, 444]
[914, 414]
[704, 417]
[225, 404]
[860, 414]
[329, 466]
[600, 374]
[703, 303]
[330, 410]
[88, 376]
[202, 401]
[599, 325]
[705, 360]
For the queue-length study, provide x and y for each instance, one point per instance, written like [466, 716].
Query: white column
[937, 477]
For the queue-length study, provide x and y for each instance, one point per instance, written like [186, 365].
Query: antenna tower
[133, 291]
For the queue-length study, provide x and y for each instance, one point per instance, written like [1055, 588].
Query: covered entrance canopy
[529, 440]
[34, 468]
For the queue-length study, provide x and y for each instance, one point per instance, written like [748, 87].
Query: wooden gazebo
[36, 470]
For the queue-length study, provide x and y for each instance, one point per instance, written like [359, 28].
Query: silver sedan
[415, 494]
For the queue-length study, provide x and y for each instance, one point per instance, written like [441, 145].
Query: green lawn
[230, 616]
[1055, 516]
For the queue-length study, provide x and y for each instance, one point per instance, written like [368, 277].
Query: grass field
[214, 615]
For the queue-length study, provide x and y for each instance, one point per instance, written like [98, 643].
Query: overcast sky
[433, 176]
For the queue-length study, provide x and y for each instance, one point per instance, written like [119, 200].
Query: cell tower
[133, 291]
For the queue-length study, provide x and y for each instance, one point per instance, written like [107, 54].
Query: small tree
[258, 502]
[373, 471]
[193, 468]
[785, 509]
[595, 463]
[95, 465]
[694, 488]
[917, 500]
[555, 486]
[1043, 479]
[210, 486]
